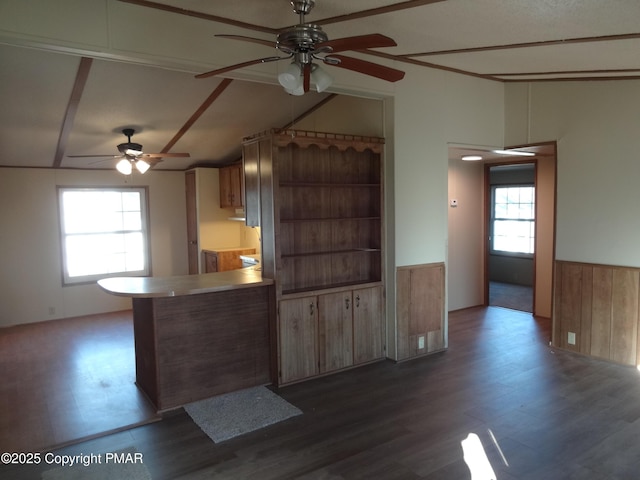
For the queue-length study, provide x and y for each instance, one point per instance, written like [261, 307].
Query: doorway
[543, 255]
[467, 244]
[511, 231]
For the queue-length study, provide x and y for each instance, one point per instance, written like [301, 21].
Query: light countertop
[148, 287]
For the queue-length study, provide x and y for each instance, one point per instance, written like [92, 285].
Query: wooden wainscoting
[420, 304]
[600, 305]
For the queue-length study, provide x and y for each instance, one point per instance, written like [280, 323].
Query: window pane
[525, 211]
[131, 201]
[526, 194]
[131, 221]
[513, 195]
[104, 232]
[501, 210]
[513, 219]
[501, 194]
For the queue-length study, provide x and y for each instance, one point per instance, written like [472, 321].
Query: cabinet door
[251, 165]
[236, 185]
[298, 340]
[225, 187]
[231, 186]
[368, 327]
[335, 331]
[210, 262]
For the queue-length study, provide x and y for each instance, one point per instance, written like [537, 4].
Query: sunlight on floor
[476, 458]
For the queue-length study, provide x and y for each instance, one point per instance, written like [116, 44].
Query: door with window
[512, 236]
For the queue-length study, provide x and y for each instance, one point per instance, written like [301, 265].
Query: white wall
[466, 239]
[596, 125]
[31, 274]
[348, 115]
[432, 109]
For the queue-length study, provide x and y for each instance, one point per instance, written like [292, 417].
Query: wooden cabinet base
[196, 346]
[329, 332]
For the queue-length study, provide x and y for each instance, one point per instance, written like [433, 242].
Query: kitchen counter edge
[180, 285]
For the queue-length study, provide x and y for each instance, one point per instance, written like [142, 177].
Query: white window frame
[532, 221]
[145, 270]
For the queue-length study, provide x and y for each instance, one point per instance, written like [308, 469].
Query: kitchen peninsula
[197, 336]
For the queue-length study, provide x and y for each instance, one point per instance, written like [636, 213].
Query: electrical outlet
[421, 342]
[52, 311]
[571, 338]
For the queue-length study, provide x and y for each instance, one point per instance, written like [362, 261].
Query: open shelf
[325, 199]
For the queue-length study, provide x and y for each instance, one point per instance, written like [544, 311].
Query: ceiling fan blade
[103, 160]
[220, 71]
[360, 42]
[368, 68]
[93, 156]
[164, 155]
[260, 41]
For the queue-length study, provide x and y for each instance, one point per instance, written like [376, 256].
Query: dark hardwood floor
[552, 414]
[510, 295]
[68, 379]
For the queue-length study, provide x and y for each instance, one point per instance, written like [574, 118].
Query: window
[104, 233]
[513, 219]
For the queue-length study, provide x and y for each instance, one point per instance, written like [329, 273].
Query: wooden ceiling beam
[321, 103]
[376, 11]
[274, 31]
[546, 43]
[201, 15]
[72, 107]
[198, 113]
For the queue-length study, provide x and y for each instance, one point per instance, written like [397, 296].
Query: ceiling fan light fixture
[133, 152]
[321, 78]
[291, 77]
[298, 91]
[124, 166]
[142, 166]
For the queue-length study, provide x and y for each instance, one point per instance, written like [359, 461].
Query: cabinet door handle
[357, 301]
[311, 308]
[346, 302]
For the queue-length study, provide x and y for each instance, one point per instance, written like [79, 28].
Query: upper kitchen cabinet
[231, 186]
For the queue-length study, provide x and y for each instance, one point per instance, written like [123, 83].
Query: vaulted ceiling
[66, 101]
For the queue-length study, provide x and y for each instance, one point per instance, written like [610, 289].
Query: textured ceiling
[522, 38]
[501, 40]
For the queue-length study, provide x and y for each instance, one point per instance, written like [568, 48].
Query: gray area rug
[232, 414]
[107, 469]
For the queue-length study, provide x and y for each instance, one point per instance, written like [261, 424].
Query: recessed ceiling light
[515, 153]
[471, 158]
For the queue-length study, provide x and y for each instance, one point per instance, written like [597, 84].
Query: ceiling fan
[132, 155]
[306, 42]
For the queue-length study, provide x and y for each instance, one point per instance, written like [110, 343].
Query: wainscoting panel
[600, 305]
[420, 309]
